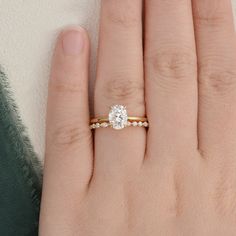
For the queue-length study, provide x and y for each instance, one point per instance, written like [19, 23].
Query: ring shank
[105, 119]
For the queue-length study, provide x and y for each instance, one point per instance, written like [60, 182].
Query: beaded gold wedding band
[118, 119]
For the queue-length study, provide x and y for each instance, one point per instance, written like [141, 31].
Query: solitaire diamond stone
[118, 117]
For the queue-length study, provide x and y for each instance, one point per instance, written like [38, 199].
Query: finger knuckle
[171, 69]
[217, 80]
[174, 205]
[70, 136]
[211, 16]
[66, 86]
[121, 89]
[225, 194]
[122, 14]
[212, 21]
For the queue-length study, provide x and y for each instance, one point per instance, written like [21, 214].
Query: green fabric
[20, 172]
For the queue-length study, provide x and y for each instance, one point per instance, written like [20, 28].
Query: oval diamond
[118, 117]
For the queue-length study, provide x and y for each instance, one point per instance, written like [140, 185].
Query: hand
[179, 176]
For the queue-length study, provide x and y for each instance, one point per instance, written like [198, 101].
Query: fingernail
[72, 42]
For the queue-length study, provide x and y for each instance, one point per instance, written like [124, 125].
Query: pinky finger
[68, 161]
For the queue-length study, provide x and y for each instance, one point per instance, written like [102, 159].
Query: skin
[175, 64]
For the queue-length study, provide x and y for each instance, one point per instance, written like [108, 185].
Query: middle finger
[171, 76]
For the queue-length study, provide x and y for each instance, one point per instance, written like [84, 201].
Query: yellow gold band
[130, 118]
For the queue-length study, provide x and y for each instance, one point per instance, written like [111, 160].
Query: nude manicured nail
[72, 42]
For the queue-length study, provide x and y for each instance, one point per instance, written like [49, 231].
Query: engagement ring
[118, 119]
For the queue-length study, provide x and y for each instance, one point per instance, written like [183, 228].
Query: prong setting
[118, 117]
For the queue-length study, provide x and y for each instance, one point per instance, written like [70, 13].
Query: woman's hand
[179, 176]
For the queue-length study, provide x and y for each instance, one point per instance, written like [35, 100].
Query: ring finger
[120, 81]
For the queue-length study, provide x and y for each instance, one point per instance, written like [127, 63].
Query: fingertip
[72, 41]
[71, 54]
[78, 28]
